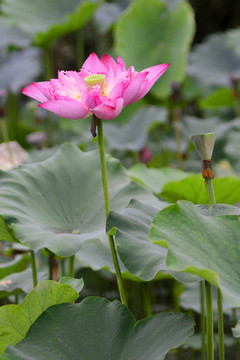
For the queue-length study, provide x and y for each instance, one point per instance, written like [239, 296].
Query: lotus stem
[71, 266]
[203, 325]
[212, 202]
[210, 334]
[121, 289]
[220, 325]
[34, 268]
[211, 194]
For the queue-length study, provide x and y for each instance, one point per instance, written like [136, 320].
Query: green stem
[50, 265]
[71, 266]
[121, 289]
[203, 325]
[34, 268]
[210, 342]
[211, 194]
[212, 202]
[220, 325]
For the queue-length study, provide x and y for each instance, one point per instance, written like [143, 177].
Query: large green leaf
[6, 233]
[149, 33]
[133, 135]
[206, 246]
[155, 179]
[142, 259]
[15, 320]
[10, 35]
[46, 20]
[236, 330]
[227, 190]
[130, 227]
[219, 98]
[99, 329]
[59, 203]
[11, 265]
[19, 68]
[20, 282]
[213, 61]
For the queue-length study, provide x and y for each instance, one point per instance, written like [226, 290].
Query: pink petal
[38, 91]
[110, 66]
[117, 91]
[69, 109]
[93, 65]
[94, 98]
[71, 79]
[154, 73]
[121, 67]
[108, 110]
[132, 90]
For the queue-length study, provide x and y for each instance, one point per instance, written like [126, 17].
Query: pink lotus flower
[102, 87]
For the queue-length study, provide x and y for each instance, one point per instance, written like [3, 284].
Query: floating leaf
[133, 135]
[159, 35]
[99, 329]
[46, 20]
[16, 320]
[155, 179]
[227, 190]
[59, 203]
[206, 246]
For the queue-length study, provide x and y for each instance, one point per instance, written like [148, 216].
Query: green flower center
[95, 79]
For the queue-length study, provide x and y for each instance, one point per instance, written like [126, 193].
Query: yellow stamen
[95, 79]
